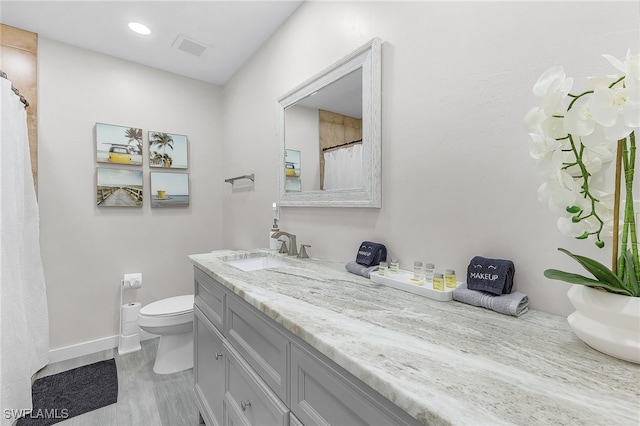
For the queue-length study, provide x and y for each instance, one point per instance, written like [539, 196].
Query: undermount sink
[256, 263]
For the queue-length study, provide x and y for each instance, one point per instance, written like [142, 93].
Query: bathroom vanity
[302, 341]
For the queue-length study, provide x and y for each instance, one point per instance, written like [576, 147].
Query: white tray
[400, 280]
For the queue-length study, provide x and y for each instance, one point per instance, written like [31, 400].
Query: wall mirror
[329, 148]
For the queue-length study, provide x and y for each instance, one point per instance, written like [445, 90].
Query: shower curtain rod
[16, 91]
[342, 144]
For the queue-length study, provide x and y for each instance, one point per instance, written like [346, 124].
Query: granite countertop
[441, 362]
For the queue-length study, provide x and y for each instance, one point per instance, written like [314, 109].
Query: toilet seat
[169, 307]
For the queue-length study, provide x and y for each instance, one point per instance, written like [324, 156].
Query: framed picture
[169, 189]
[118, 187]
[168, 150]
[118, 144]
[291, 163]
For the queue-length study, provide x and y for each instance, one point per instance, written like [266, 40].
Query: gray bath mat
[73, 392]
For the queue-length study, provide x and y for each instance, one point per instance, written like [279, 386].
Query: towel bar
[232, 180]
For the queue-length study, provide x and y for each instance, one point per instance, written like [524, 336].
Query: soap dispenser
[274, 243]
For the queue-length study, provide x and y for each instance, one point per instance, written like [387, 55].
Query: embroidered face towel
[491, 275]
[371, 254]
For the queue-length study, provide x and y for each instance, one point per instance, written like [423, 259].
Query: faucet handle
[283, 247]
[303, 251]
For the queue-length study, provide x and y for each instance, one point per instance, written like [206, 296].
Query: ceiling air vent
[189, 45]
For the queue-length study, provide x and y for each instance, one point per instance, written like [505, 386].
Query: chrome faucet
[293, 247]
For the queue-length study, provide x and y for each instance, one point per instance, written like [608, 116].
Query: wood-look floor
[144, 398]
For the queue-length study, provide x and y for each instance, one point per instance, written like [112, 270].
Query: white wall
[457, 177]
[86, 249]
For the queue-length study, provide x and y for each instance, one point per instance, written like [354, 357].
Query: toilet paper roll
[132, 281]
[129, 317]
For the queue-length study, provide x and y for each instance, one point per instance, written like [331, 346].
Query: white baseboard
[90, 347]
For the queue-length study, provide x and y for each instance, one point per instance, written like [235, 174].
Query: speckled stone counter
[441, 362]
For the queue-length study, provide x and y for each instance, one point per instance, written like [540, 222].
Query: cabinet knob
[218, 355]
[244, 405]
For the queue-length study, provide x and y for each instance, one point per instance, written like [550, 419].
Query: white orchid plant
[573, 138]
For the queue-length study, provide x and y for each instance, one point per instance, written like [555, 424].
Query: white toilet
[172, 319]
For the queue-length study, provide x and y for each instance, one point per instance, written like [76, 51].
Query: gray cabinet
[209, 297]
[248, 397]
[260, 344]
[249, 370]
[208, 368]
[322, 395]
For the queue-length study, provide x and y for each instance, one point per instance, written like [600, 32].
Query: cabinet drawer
[209, 297]
[208, 368]
[260, 343]
[322, 396]
[248, 400]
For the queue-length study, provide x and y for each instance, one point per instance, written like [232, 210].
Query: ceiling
[228, 32]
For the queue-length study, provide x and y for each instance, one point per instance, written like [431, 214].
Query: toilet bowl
[172, 320]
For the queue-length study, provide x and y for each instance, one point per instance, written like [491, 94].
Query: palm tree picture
[162, 140]
[167, 150]
[118, 144]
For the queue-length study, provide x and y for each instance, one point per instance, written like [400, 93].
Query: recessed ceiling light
[139, 28]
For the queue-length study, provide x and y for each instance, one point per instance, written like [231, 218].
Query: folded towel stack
[356, 268]
[514, 304]
[368, 258]
[494, 276]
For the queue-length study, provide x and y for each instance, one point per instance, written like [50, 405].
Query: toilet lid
[171, 306]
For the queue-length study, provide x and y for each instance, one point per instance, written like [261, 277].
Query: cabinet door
[322, 396]
[209, 297]
[294, 421]
[248, 400]
[256, 338]
[208, 369]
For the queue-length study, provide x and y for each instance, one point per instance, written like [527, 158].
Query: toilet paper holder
[129, 343]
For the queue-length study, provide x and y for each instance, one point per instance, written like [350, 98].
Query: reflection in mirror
[331, 124]
[292, 171]
[326, 126]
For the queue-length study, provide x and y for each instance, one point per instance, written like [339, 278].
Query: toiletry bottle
[382, 269]
[450, 278]
[428, 272]
[274, 244]
[394, 266]
[417, 270]
[438, 281]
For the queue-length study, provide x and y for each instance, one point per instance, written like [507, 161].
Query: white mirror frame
[367, 57]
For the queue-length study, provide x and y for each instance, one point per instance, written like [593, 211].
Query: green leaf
[601, 272]
[629, 277]
[572, 278]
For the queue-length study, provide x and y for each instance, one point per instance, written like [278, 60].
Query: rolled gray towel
[492, 275]
[514, 304]
[356, 268]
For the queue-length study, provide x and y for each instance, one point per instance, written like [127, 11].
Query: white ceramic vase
[608, 322]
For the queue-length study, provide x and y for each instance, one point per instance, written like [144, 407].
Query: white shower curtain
[343, 168]
[24, 319]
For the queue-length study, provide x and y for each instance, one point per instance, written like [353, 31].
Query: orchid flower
[574, 139]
